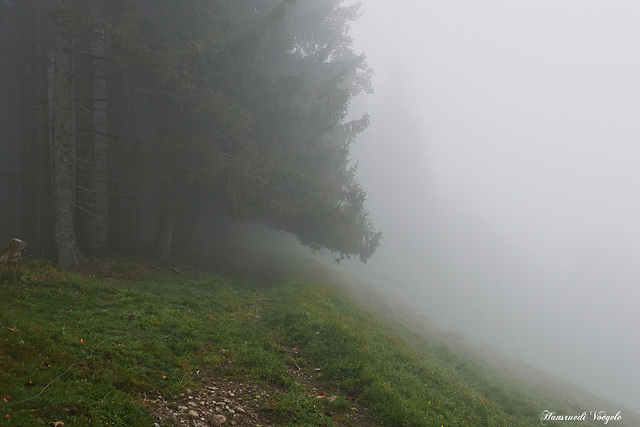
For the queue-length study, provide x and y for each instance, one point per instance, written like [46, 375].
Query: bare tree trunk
[29, 90]
[86, 214]
[34, 122]
[168, 212]
[46, 238]
[62, 155]
[10, 138]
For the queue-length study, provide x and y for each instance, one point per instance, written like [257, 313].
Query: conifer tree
[203, 105]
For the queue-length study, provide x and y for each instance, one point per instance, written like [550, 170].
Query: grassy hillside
[132, 344]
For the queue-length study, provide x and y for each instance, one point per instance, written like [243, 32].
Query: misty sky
[514, 129]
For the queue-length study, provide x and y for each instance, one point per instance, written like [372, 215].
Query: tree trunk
[34, 130]
[86, 172]
[168, 212]
[62, 153]
[29, 144]
[46, 238]
[10, 138]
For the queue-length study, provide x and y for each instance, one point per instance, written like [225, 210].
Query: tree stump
[13, 251]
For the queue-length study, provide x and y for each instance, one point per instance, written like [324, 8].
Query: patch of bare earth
[214, 401]
[217, 400]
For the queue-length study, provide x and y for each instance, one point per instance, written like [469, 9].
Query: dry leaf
[6, 397]
[57, 423]
[7, 416]
[14, 330]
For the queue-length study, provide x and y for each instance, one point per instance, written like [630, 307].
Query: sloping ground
[139, 344]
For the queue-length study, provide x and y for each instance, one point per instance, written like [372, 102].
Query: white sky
[532, 118]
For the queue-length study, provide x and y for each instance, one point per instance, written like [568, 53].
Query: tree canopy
[170, 118]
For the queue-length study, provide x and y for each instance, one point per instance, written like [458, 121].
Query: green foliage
[186, 112]
[250, 99]
[170, 53]
[295, 171]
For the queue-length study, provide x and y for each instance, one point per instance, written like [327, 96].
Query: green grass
[399, 386]
[86, 350]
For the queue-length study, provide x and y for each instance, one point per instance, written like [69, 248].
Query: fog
[502, 167]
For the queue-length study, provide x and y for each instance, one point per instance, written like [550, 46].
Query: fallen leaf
[7, 416]
[6, 397]
[29, 384]
[57, 423]
[14, 330]
[46, 365]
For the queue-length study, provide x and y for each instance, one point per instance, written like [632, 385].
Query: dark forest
[153, 125]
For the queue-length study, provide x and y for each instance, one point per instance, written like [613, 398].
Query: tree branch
[94, 215]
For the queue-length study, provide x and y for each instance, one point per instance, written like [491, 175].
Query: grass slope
[87, 348]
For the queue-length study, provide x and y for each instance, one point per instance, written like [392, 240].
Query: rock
[13, 251]
[182, 408]
[193, 414]
[332, 398]
[218, 420]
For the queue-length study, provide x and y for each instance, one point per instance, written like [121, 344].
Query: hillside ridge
[132, 342]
